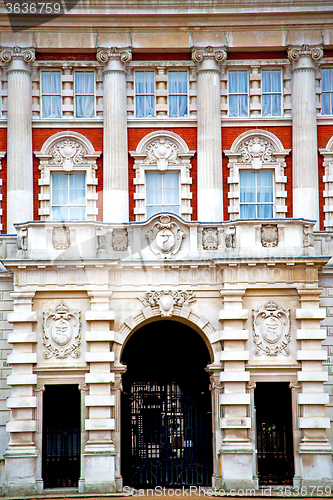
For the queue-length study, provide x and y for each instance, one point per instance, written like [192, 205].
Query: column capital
[217, 53]
[297, 51]
[113, 53]
[12, 53]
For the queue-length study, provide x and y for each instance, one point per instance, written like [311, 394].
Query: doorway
[61, 436]
[166, 408]
[274, 433]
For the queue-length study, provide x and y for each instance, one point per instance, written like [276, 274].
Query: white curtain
[84, 94]
[144, 94]
[51, 104]
[162, 193]
[256, 194]
[271, 93]
[238, 98]
[177, 90]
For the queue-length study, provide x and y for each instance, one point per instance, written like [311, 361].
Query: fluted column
[19, 137]
[210, 192]
[115, 150]
[305, 153]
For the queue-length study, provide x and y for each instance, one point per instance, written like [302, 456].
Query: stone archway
[166, 407]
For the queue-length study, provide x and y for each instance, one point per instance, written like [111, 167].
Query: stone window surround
[156, 162]
[327, 153]
[81, 161]
[274, 160]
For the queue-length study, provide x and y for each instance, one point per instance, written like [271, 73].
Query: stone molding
[257, 149]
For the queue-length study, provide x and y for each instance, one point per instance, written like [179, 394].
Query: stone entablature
[164, 236]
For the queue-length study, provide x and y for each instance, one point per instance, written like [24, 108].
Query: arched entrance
[166, 408]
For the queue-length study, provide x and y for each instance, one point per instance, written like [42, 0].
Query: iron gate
[61, 436]
[170, 432]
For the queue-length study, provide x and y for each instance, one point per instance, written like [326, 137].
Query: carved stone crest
[119, 239]
[61, 238]
[162, 152]
[271, 329]
[167, 299]
[269, 235]
[210, 238]
[165, 237]
[256, 151]
[61, 332]
[67, 153]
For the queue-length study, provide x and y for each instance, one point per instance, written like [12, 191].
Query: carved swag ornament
[165, 237]
[62, 332]
[271, 329]
[167, 299]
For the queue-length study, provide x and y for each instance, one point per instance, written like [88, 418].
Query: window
[238, 93]
[144, 94]
[256, 194]
[271, 92]
[162, 193]
[327, 91]
[51, 94]
[177, 90]
[84, 94]
[68, 197]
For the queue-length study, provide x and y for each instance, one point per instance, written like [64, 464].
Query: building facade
[166, 233]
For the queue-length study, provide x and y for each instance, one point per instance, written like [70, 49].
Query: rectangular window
[256, 194]
[178, 94]
[68, 197]
[238, 93]
[162, 193]
[84, 88]
[271, 92]
[327, 91]
[144, 94]
[51, 94]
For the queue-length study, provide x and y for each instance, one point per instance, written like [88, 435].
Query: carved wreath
[61, 332]
[271, 330]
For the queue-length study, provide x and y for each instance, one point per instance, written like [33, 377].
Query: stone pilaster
[21, 454]
[115, 149]
[305, 154]
[99, 452]
[19, 136]
[117, 389]
[237, 450]
[210, 192]
[216, 389]
[314, 449]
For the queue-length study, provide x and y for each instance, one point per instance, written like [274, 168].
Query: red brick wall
[94, 135]
[324, 133]
[190, 137]
[229, 134]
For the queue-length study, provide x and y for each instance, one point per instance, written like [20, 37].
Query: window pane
[150, 109]
[76, 181]
[182, 82]
[266, 105]
[242, 81]
[325, 103]
[276, 81]
[154, 196]
[60, 181]
[89, 82]
[173, 111]
[276, 104]
[247, 195]
[183, 106]
[247, 211]
[265, 212]
[46, 106]
[149, 83]
[60, 213]
[247, 179]
[233, 105]
[172, 209]
[265, 178]
[264, 195]
[77, 213]
[232, 81]
[153, 210]
[79, 82]
[139, 106]
[56, 87]
[171, 180]
[46, 82]
[266, 81]
[154, 181]
[242, 105]
[172, 82]
[56, 106]
[139, 82]
[84, 106]
[171, 196]
[325, 79]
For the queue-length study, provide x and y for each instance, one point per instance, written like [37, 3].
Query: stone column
[305, 152]
[115, 149]
[19, 138]
[21, 454]
[210, 190]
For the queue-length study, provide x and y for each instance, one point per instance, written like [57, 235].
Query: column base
[237, 467]
[20, 474]
[316, 465]
[99, 466]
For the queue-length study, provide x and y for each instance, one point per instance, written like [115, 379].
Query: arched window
[68, 178]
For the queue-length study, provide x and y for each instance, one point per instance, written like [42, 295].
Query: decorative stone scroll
[257, 151]
[61, 238]
[167, 299]
[269, 235]
[271, 329]
[316, 53]
[219, 54]
[165, 237]
[124, 55]
[28, 55]
[67, 153]
[62, 332]
[210, 238]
